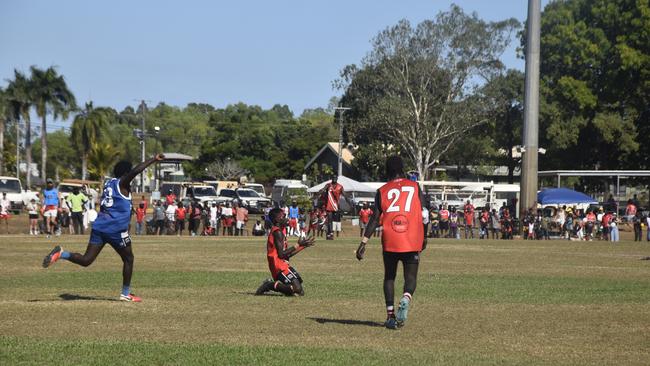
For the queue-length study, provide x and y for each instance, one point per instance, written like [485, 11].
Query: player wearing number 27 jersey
[111, 226]
[399, 202]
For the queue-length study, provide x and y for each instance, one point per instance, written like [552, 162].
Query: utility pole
[142, 109]
[528, 186]
[18, 149]
[342, 111]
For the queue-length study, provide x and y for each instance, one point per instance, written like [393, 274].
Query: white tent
[349, 185]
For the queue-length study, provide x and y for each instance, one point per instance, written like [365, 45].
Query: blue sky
[217, 52]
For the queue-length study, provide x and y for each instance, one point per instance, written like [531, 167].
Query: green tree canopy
[417, 87]
[595, 88]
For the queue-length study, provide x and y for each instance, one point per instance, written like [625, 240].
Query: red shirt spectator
[180, 213]
[139, 214]
[145, 203]
[468, 210]
[591, 217]
[364, 215]
[170, 198]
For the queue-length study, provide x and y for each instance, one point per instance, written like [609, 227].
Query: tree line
[435, 92]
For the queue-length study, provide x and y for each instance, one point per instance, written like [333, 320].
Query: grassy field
[477, 302]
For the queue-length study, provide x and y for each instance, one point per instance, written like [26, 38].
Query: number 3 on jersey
[107, 201]
[394, 194]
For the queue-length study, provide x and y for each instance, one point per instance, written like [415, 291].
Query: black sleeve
[423, 201]
[374, 219]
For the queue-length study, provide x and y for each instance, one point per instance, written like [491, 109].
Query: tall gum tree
[417, 88]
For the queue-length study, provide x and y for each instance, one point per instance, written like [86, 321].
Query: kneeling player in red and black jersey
[285, 278]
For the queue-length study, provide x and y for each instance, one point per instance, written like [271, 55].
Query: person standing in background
[77, 201]
[139, 218]
[5, 206]
[51, 203]
[32, 210]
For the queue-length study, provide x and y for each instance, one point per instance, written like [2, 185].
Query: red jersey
[485, 217]
[469, 214]
[170, 198]
[606, 218]
[444, 215]
[591, 217]
[364, 215]
[180, 213]
[333, 196]
[139, 214]
[276, 265]
[402, 216]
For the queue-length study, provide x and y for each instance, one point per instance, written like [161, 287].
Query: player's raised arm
[125, 180]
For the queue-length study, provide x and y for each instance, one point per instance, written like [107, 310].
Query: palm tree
[19, 104]
[87, 129]
[101, 159]
[50, 95]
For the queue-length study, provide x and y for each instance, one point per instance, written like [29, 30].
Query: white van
[286, 190]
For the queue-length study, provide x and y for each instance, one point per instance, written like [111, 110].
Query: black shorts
[444, 225]
[289, 277]
[405, 258]
[180, 225]
[33, 216]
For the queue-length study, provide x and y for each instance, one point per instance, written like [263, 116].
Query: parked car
[247, 198]
[201, 192]
[259, 188]
[15, 193]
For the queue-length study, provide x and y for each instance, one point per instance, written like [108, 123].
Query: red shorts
[293, 223]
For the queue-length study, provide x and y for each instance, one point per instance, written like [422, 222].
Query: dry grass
[477, 302]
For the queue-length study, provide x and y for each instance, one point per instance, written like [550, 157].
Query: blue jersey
[51, 197]
[293, 212]
[115, 209]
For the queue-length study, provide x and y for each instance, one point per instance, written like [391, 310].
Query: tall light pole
[341, 111]
[528, 186]
[18, 150]
[142, 108]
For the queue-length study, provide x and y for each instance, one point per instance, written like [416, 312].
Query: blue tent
[553, 196]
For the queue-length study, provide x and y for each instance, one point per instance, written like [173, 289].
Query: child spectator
[139, 218]
[434, 219]
[453, 224]
[364, 217]
[258, 229]
[495, 224]
[468, 213]
[484, 219]
[181, 213]
[5, 206]
[32, 210]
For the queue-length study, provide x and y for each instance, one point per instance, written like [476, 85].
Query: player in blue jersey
[111, 225]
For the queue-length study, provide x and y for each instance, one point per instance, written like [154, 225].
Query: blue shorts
[116, 240]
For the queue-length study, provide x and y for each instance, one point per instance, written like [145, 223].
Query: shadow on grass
[252, 293]
[75, 297]
[368, 323]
